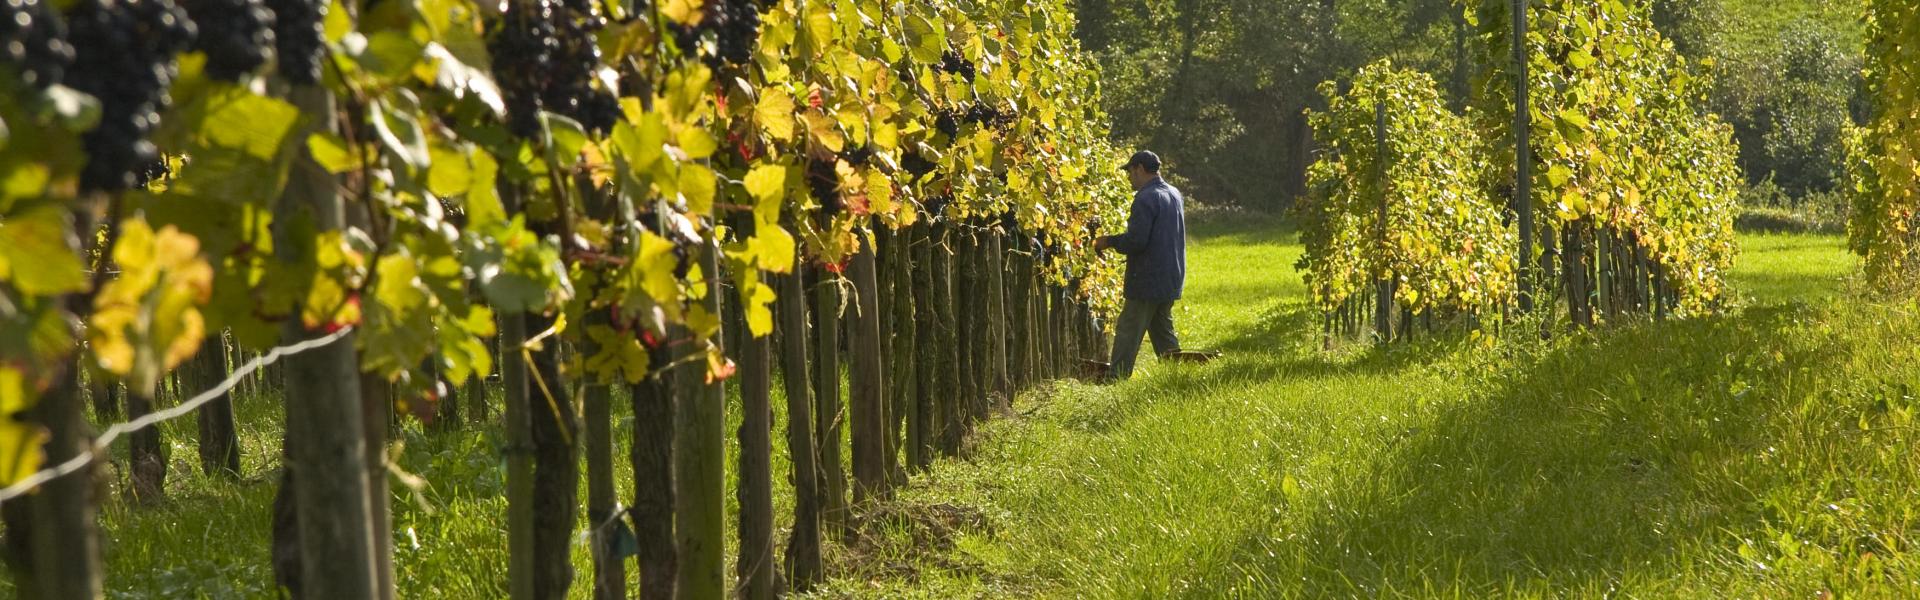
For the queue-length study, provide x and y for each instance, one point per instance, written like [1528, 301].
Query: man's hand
[1100, 243]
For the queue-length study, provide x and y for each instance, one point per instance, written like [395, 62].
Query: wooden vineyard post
[652, 458]
[219, 442]
[996, 305]
[803, 566]
[1020, 307]
[376, 405]
[514, 376]
[755, 566]
[966, 293]
[609, 571]
[826, 394]
[325, 434]
[946, 366]
[147, 455]
[867, 380]
[58, 521]
[900, 340]
[1522, 155]
[700, 477]
[1575, 264]
[1383, 312]
[920, 437]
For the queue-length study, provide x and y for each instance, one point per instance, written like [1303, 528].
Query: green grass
[1764, 452]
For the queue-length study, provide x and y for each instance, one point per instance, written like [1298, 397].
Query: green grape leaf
[400, 133]
[767, 184]
[36, 252]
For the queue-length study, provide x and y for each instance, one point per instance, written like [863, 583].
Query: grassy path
[1766, 451]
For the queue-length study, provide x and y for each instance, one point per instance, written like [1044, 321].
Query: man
[1155, 245]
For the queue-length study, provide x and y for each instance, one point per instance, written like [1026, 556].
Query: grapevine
[1883, 165]
[1625, 162]
[1442, 244]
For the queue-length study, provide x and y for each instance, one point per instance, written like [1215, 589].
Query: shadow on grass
[1283, 344]
[1597, 456]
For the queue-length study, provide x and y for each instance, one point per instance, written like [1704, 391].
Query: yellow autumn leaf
[768, 186]
[756, 297]
[774, 246]
[824, 130]
[697, 187]
[147, 320]
[654, 268]
[774, 113]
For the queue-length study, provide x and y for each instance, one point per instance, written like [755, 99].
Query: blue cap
[1143, 158]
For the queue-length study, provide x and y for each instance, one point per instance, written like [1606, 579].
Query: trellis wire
[106, 439]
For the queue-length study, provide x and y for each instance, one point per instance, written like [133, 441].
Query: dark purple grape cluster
[858, 155]
[953, 62]
[987, 116]
[299, 38]
[824, 180]
[236, 35]
[937, 205]
[34, 40]
[916, 165]
[569, 87]
[735, 25]
[523, 45]
[948, 122]
[545, 57]
[124, 57]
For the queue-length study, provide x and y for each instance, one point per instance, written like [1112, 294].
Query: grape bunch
[936, 206]
[825, 183]
[953, 62]
[34, 40]
[569, 86]
[545, 57]
[736, 28]
[236, 35]
[917, 165]
[948, 122]
[858, 156]
[987, 116]
[299, 38]
[523, 45]
[124, 57]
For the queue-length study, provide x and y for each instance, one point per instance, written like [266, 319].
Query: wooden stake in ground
[803, 544]
[996, 304]
[653, 492]
[376, 405]
[867, 381]
[325, 434]
[826, 394]
[219, 442]
[609, 571]
[946, 367]
[515, 374]
[755, 566]
[555, 427]
[920, 437]
[700, 476]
